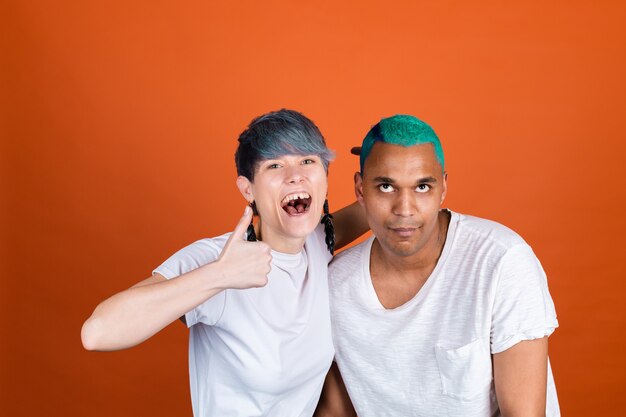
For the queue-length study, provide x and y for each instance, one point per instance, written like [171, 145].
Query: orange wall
[119, 122]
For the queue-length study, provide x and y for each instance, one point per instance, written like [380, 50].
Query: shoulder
[349, 262]
[476, 229]
[497, 248]
[193, 256]
[487, 245]
[204, 248]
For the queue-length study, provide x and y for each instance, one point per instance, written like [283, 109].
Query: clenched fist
[244, 264]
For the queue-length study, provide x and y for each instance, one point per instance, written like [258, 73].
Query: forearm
[350, 223]
[134, 315]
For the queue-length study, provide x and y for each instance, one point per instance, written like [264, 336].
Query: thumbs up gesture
[244, 264]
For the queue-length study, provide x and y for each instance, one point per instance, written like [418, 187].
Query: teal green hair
[403, 130]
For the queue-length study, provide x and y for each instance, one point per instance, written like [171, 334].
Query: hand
[244, 264]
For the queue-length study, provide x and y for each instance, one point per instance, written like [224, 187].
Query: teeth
[294, 196]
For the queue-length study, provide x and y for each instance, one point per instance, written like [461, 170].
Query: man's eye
[385, 188]
[273, 166]
[308, 161]
[422, 188]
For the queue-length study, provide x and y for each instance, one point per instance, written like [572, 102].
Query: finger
[263, 282]
[240, 229]
[244, 222]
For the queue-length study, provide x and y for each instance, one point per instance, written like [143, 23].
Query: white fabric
[261, 351]
[432, 355]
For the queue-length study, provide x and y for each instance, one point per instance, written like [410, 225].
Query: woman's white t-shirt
[260, 351]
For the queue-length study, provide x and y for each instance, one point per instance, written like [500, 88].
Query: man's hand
[243, 264]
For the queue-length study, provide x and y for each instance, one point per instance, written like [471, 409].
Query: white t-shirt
[432, 355]
[260, 351]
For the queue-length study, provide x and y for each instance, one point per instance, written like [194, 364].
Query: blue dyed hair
[278, 133]
[403, 130]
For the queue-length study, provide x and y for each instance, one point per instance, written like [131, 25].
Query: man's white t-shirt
[432, 355]
[260, 351]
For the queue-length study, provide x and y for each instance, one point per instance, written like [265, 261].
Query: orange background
[119, 124]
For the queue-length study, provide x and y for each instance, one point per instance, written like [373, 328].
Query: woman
[257, 311]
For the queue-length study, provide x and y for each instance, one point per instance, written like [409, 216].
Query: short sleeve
[523, 308]
[187, 259]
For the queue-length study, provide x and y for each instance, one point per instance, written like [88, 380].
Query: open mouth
[296, 203]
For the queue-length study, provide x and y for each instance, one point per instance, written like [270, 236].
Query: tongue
[293, 210]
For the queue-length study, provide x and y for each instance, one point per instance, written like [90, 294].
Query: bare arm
[350, 223]
[136, 314]
[132, 316]
[520, 375]
[334, 401]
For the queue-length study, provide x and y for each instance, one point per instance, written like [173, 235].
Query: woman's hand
[243, 264]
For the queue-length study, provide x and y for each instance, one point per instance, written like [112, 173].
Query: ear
[358, 187]
[445, 187]
[245, 188]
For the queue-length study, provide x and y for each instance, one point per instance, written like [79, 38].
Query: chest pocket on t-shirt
[465, 371]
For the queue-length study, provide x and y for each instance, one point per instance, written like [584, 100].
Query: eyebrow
[425, 180]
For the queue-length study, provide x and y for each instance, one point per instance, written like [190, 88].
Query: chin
[404, 253]
[300, 227]
[305, 229]
[403, 248]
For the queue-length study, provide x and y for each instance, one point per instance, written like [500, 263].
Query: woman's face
[289, 194]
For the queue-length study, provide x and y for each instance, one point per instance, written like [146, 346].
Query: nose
[294, 175]
[404, 204]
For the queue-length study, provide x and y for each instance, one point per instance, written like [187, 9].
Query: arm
[132, 316]
[334, 401]
[136, 314]
[520, 376]
[350, 223]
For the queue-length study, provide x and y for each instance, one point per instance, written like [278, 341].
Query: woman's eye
[273, 166]
[385, 188]
[308, 161]
[422, 188]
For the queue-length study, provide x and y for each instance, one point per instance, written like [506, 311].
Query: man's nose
[404, 204]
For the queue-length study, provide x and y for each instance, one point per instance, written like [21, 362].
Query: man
[440, 313]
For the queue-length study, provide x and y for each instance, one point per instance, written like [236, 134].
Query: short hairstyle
[278, 133]
[403, 130]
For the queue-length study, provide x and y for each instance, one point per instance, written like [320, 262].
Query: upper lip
[294, 195]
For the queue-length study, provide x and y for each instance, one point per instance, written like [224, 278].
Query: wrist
[213, 277]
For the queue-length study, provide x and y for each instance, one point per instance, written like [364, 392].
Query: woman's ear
[245, 188]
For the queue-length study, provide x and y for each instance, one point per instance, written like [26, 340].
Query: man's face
[402, 189]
